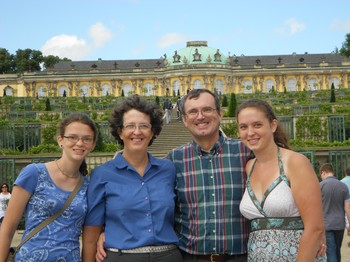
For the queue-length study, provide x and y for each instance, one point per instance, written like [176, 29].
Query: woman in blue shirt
[41, 190]
[131, 197]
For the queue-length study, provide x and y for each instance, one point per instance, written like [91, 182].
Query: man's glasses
[142, 127]
[75, 139]
[205, 111]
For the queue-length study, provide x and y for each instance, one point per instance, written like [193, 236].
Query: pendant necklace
[63, 173]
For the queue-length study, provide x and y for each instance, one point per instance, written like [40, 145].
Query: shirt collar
[217, 148]
[121, 163]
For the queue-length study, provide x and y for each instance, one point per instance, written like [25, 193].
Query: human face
[205, 125]
[254, 128]
[4, 188]
[83, 146]
[138, 138]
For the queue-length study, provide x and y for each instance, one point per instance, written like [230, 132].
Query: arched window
[269, 84]
[127, 90]
[248, 87]
[84, 91]
[8, 91]
[219, 87]
[312, 84]
[149, 89]
[291, 85]
[61, 90]
[335, 81]
[197, 84]
[106, 90]
[176, 87]
[42, 91]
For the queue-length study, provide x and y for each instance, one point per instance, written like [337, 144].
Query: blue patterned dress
[276, 225]
[58, 241]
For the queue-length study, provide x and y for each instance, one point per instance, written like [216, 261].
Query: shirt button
[146, 198]
[149, 230]
[142, 183]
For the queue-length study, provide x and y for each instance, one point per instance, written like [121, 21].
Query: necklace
[63, 173]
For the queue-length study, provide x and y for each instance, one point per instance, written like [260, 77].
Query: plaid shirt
[209, 190]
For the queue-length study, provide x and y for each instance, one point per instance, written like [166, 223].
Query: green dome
[196, 52]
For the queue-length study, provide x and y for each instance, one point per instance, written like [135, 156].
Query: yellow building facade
[194, 66]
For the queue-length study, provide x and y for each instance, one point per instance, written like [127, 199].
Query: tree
[6, 63]
[50, 61]
[122, 93]
[64, 93]
[47, 105]
[224, 101]
[332, 100]
[157, 101]
[345, 49]
[4, 94]
[232, 106]
[27, 60]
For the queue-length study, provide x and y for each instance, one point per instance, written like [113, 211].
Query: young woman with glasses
[41, 190]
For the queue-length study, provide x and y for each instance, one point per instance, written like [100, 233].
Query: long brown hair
[279, 135]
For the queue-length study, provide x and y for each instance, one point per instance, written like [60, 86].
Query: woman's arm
[14, 212]
[307, 194]
[90, 237]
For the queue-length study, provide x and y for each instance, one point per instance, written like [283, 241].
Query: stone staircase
[173, 135]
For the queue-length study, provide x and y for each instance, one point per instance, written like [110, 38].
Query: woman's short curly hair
[116, 119]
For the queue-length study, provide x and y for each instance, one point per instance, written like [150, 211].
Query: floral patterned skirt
[275, 245]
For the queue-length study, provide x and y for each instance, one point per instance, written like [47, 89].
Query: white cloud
[72, 47]
[100, 34]
[171, 39]
[338, 25]
[66, 46]
[291, 27]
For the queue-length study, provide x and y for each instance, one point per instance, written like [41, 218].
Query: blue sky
[143, 29]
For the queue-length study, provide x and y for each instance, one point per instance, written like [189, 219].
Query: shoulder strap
[53, 217]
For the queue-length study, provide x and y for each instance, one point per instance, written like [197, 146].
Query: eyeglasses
[205, 111]
[4, 187]
[142, 127]
[75, 139]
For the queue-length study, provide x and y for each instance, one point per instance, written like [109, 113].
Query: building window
[61, 90]
[197, 84]
[176, 87]
[84, 91]
[335, 81]
[219, 87]
[291, 86]
[42, 91]
[106, 90]
[312, 84]
[248, 87]
[269, 84]
[148, 89]
[127, 90]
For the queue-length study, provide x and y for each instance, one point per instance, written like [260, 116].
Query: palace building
[195, 66]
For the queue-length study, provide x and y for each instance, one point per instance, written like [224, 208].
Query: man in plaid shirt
[210, 184]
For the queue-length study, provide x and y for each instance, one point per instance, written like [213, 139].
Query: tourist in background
[41, 190]
[167, 107]
[5, 196]
[282, 199]
[336, 204]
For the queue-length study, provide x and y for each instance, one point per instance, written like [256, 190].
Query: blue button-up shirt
[136, 211]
